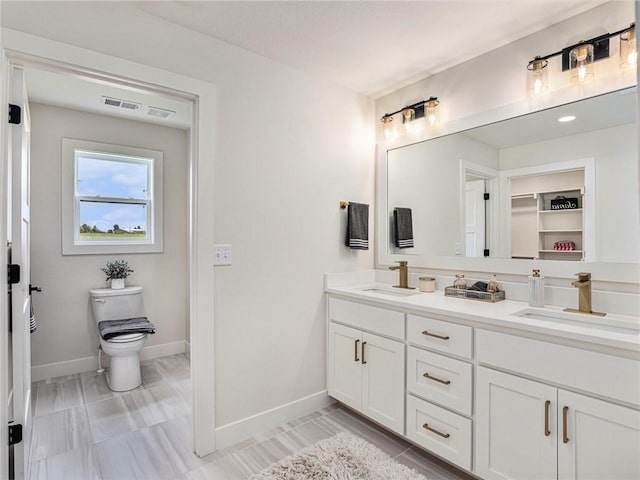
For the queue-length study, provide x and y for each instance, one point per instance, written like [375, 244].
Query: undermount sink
[392, 292]
[608, 323]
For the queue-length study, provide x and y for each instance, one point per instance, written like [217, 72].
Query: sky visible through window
[116, 179]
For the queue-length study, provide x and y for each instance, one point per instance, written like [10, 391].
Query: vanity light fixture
[579, 59]
[413, 117]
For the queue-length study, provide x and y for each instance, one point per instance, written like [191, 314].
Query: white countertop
[613, 330]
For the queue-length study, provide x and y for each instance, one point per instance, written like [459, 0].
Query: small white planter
[117, 283]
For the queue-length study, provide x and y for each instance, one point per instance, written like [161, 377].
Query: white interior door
[20, 300]
[475, 218]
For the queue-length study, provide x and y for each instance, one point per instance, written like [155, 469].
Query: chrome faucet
[583, 284]
[403, 271]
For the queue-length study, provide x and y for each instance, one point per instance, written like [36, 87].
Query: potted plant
[117, 271]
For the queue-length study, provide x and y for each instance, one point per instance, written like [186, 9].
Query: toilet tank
[109, 304]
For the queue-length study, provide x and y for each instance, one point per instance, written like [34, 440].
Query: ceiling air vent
[116, 102]
[160, 112]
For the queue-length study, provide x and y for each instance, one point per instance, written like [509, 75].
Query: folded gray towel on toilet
[403, 227]
[358, 226]
[113, 328]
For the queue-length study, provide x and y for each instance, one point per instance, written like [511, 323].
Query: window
[112, 199]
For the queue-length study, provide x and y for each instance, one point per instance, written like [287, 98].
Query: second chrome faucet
[403, 273]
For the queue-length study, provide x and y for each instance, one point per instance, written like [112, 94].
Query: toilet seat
[127, 338]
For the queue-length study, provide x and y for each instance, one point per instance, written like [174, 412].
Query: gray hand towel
[113, 328]
[403, 227]
[358, 226]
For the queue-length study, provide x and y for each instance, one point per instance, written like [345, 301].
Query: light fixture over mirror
[413, 117]
[578, 59]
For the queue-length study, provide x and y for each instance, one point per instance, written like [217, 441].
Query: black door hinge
[13, 273]
[15, 114]
[486, 252]
[486, 196]
[15, 433]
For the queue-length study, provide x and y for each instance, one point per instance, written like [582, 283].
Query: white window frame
[72, 243]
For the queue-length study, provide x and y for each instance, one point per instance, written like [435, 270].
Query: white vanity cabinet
[528, 429]
[500, 402]
[365, 370]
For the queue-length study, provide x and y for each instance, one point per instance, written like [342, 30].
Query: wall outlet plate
[222, 255]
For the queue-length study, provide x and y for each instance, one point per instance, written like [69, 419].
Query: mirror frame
[601, 271]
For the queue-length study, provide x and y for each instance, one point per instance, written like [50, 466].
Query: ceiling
[594, 113]
[370, 47]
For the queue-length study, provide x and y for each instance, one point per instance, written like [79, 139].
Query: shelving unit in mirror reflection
[547, 216]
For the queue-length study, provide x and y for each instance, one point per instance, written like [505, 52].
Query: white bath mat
[341, 457]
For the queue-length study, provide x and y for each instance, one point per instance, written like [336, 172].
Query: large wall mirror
[558, 186]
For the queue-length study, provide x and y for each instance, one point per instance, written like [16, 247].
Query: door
[475, 218]
[20, 301]
[598, 440]
[383, 381]
[515, 427]
[345, 369]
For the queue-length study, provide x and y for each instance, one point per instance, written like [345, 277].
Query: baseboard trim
[240, 430]
[78, 365]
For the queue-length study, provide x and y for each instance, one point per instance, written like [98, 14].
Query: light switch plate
[458, 248]
[222, 255]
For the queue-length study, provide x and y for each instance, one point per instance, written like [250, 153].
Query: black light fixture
[425, 109]
[579, 58]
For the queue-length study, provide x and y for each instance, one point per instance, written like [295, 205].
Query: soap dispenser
[536, 289]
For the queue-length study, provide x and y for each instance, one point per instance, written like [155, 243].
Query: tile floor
[84, 431]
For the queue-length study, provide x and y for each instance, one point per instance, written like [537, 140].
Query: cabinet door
[383, 381]
[344, 374]
[515, 427]
[602, 440]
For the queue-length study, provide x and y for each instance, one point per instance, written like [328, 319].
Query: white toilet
[124, 350]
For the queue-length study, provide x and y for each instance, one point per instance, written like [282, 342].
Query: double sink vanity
[501, 390]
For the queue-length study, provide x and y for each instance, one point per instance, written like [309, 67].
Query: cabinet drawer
[440, 379]
[438, 335]
[599, 373]
[366, 317]
[447, 435]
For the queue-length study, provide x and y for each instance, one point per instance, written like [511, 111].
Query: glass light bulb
[537, 79]
[628, 48]
[581, 60]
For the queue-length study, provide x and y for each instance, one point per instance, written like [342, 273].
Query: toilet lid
[129, 337]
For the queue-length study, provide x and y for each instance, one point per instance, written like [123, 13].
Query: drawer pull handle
[364, 362]
[565, 414]
[436, 379]
[441, 337]
[547, 404]
[355, 351]
[427, 427]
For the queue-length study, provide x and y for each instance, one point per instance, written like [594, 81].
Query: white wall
[66, 329]
[616, 165]
[426, 178]
[289, 147]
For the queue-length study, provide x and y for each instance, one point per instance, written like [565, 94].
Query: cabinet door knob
[355, 351]
[547, 404]
[437, 432]
[436, 379]
[364, 362]
[441, 337]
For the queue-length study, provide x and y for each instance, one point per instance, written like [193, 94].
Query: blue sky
[112, 179]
